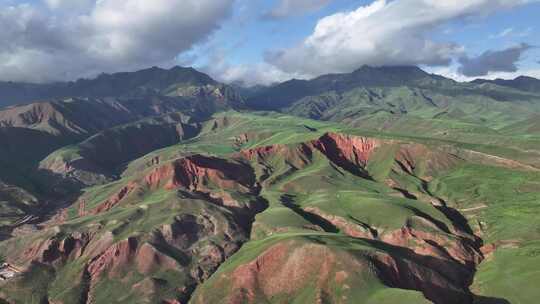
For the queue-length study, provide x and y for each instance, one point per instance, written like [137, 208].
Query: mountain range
[384, 185]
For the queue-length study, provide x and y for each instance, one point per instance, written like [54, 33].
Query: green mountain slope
[267, 208]
[137, 103]
[522, 83]
[153, 81]
[375, 98]
[385, 185]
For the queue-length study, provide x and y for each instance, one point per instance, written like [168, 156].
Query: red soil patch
[148, 259]
[286, 268]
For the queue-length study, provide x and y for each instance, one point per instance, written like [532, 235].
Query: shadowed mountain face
[165, 102]
[80, 109]
[385, 185]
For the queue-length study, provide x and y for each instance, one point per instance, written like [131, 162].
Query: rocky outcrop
[202, 175]
[456, 255]
[297, 156]
[115, 259]
[112, 201]
[198, 172]
[349, 152]
[192, 244]
[56, 250]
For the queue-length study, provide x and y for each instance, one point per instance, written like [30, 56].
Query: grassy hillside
[409, 102]
[269, 208]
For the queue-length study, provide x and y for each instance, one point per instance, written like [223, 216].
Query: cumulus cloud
[246, 75]
[249, 75]
[453, 73]
[383, 33]
[288, 8]
[493, 61]
[84, 37]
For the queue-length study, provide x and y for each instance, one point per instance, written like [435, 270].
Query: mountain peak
[398, 69]
[122, 84]
[526, 78]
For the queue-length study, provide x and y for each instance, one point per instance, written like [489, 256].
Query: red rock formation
[115, 199]
[285, 269]
[196, 172]
[159, 176]
[454, 255]
[421, 242]
[52, 250]
[82, 208]
[347, 150]
[297, 156]
[115, 259]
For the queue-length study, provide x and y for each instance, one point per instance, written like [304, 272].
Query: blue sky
[246, 37]
[264, 41]
[501, 30]
[255, 35]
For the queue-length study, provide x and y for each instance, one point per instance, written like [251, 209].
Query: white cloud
[250, 75]
[244, 74]
[383, 33]
[453, 73]
[101, 35]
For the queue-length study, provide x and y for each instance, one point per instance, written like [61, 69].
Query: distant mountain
[522, 83]
[248, 92]
[286, 93]
[389, 97]
[177, 81]
[89, 106]
[69, 113]
[12, 93]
